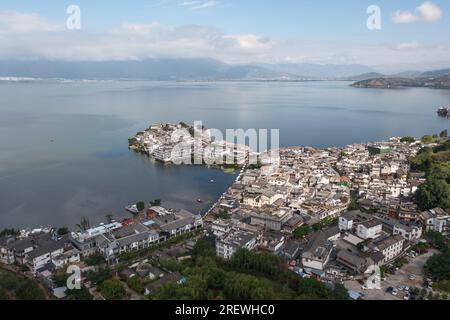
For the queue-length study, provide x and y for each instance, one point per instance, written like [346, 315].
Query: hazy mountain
[435, 73]
[365, 76]
[151, 69]
[320, 71]
[374, 75]
[438, 79]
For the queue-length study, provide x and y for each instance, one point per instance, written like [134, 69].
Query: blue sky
[297, 30]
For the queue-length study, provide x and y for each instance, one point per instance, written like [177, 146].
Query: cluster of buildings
[313, 189]
[305, 189]
[183, 144]
[43, 251]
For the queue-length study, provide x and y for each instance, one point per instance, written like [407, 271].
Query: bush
[82, 294]
[439, 266]
[408, 139]
[302, 232]
[112, 289]
[94, 260]
[99, 277]
[22, 289]
[136, 284]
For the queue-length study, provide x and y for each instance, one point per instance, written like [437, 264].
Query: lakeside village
[330, 214]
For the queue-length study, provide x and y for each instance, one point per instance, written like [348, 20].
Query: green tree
[204, 248]
[9, 232]
[95, 259]
[312, 289]
[302, 232]
[436, 239]
[439, 266]
[84, 224]
[113, 289]
[99, 277]
[156, 202]
[140, 206]
[62, 231]
[444, 134]
[109, 217]
[408, 139]
[28, 289]
[432, 194]
[82, 294]
[3, 294]
[340, 292]
[136, 284]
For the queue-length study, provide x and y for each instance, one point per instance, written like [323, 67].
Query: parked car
[390, 289]
[412, 277]
[394, 292]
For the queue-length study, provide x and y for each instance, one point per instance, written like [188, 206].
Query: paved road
[401, 277]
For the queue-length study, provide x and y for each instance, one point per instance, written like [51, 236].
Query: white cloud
[250, 41]
[404, 17]
[17, 22]
[427, 12]
[29, 36]
[409, 46]
[195, 5]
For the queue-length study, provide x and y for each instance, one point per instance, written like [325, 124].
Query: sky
[412, 34]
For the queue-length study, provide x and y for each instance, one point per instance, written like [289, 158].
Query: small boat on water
[212, 181]
[199, 200]
[444, 112]
[132, 208]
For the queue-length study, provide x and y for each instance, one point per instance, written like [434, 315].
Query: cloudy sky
[413, 35]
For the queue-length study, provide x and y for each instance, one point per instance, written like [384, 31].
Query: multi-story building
[6, 250]
[435, 220]
[317, 252]
[370, 229]
[227, 245]
[220, 227]
[391, 247]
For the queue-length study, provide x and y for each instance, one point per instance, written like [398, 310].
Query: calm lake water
[64, 148]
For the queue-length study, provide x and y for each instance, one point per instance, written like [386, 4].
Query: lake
[64, 148]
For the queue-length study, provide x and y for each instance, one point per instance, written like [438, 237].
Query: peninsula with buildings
[183, 144]
[316, 224]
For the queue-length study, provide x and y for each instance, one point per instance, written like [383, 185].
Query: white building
[409, 232]
[390, 247]
[6, 250]
[220, 227]
[435, 220]
[42, 256]
[317, 252]
[227, 245]
[369, 229]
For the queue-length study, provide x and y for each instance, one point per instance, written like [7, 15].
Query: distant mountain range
[151, 69]
[438, 79]
[176, 69]
[210, 69]
[321, 71]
